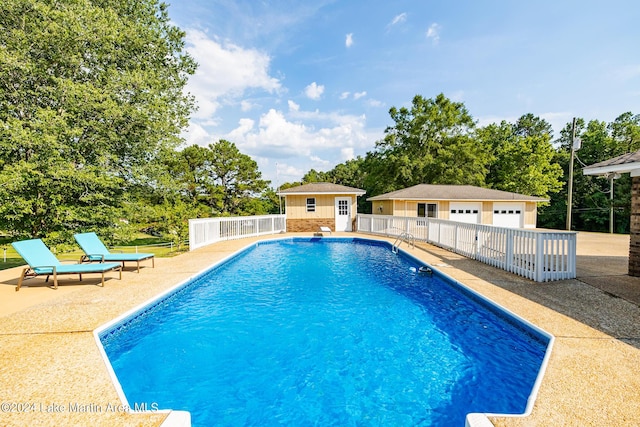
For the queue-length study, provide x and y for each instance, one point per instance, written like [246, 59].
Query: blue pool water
[325, 332]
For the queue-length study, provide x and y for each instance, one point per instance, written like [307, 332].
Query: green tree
[591, 202]
[188, 171]
[431, 142]
[90, 93]
[315, 176]
[523, 157]
[625, 132]
[592, 194]
[232, 179]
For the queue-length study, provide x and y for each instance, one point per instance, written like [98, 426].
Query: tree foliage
[219, 176]
[92, 104]
[431, 142]
[523, 157]
[591, 200]
[90, 93]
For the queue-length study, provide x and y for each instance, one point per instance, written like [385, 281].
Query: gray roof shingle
[453, 192]
[321, 187]
[624, 163]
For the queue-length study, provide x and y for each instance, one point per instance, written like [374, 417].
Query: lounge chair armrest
[93, 257]
[37, 267]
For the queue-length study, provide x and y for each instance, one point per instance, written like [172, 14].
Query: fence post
[509, 251]
[539, 258]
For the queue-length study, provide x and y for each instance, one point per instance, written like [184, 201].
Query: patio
[50, 360]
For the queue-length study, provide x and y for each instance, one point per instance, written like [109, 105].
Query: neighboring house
[321, 204]
[463, 203]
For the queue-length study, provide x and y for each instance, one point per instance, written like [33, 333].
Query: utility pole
[611, 217]
[611, 177]
[570, 188]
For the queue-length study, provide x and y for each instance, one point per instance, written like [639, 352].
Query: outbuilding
[321, 204]
[463, 203]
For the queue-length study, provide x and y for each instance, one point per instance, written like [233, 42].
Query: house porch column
[634, 232]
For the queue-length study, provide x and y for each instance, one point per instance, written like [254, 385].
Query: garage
[508, 215]
[468, 212]
[460, 203]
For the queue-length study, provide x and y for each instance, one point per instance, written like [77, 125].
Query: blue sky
[308, 84]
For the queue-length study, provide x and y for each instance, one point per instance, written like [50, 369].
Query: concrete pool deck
[52, 373]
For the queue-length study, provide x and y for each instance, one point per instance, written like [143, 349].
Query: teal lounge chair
[42, 262]
[95, 250]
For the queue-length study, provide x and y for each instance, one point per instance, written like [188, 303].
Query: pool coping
[591, 379]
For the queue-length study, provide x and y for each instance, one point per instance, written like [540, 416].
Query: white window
[343, 207]
[311, 204]
[429, 210]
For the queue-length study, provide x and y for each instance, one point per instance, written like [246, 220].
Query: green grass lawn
[143, 243]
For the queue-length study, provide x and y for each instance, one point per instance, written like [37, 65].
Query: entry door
[343, 213]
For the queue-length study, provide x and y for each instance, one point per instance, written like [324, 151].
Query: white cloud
[196, 135]
[245, 126]
[356, 95]
[375, 103]
[347, 153]
[349, 40]
[359, 95]
[314, 91]
[293, 106]
[225, 71]
[433, 32]
[398, 19]
[246, 105]
[303, 139]
[318, 161]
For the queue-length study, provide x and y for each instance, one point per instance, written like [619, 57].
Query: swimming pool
[327, 331]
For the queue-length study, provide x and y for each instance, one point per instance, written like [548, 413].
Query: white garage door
[468, 212]
[508, 215]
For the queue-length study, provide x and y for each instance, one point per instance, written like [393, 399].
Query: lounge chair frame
[42, 262]
[95, 250]
[28, 272]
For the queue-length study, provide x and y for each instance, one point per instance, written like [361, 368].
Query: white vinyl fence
[537, 255]
[205, 231]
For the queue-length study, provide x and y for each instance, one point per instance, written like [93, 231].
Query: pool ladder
[403, 237]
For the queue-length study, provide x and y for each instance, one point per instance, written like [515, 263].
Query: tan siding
[386, 205]
[443, 210]
[487, 213]
[530, 214]
[296, 206]
[409, 208]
